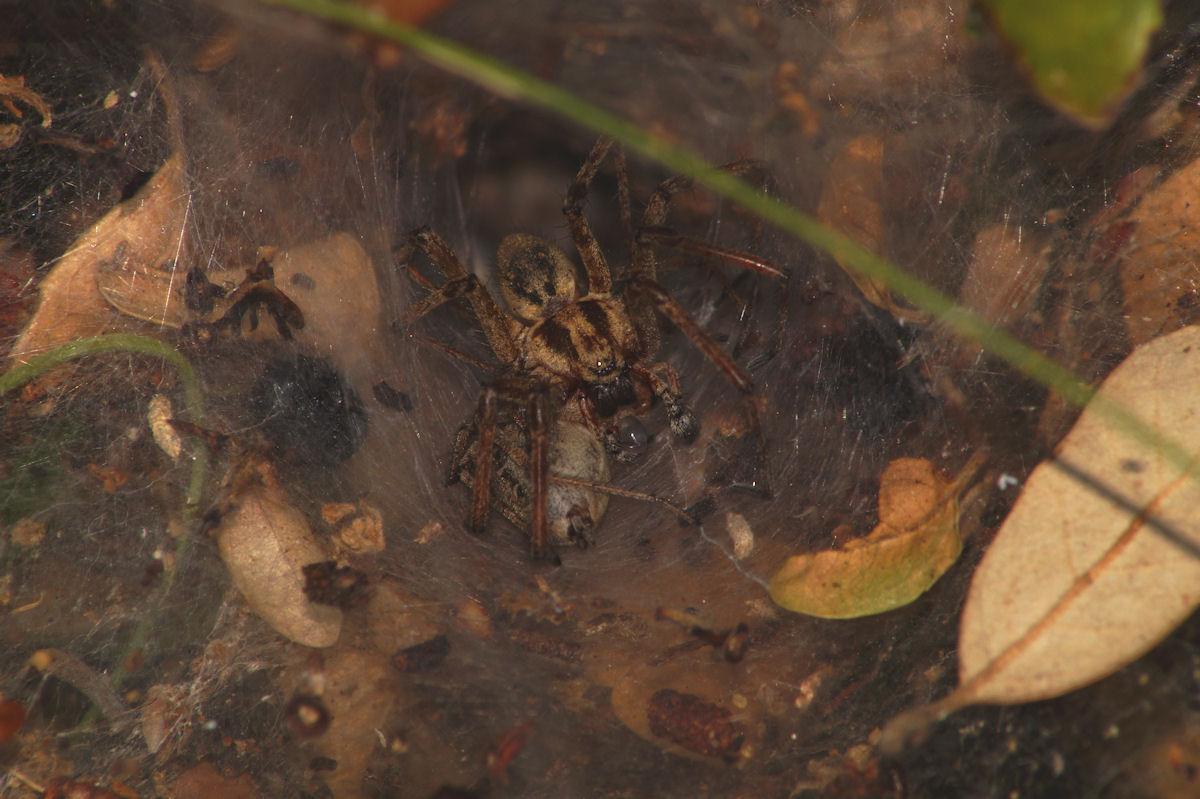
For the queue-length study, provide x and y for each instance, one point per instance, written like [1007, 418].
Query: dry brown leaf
[163, 715]
[159, 417]
[139, 254]
[360, 695]
[1159, 275]
[851, 203]
[10, 134]
[265, 543]
[361, 531]
[916, 540]
[1076, 584]
[120, 258]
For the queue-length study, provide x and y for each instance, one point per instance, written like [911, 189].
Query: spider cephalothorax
[571, 359]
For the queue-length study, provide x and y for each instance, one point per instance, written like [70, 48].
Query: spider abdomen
[575, 453]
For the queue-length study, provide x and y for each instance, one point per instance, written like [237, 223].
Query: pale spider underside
[571, 359]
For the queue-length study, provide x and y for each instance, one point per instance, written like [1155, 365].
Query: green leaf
[916, 540]
[1083, 56]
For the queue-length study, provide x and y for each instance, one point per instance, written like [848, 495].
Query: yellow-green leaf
[916, 540]
[1083, 56]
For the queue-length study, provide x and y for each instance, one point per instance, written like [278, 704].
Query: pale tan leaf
[15, 89]
[159, 416]
[1084, 578]
[1076, 585]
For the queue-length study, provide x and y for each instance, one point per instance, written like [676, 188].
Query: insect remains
[577, 363]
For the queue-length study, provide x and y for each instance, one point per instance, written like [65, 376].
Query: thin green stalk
[513, 83]
[127, 342]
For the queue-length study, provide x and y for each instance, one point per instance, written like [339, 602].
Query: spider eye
[604, 367]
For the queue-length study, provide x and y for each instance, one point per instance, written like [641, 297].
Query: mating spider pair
[572, 359]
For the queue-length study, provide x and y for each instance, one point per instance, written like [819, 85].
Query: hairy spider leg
[685, 518]
[666, 237]
[539, 471]
[643, 273]
[499, 330]
[535, 398]
[485, 443]
[664, 382]
[594, 263]
[668, 307]
[497, 327]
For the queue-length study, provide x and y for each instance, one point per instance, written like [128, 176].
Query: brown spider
[570, 358]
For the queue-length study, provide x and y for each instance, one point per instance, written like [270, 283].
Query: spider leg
[685, 517]
[539, 478]
[668, 307]
[669, 238]
[484, 446]
[496, 325]
[594, 263]
[664, 382]
[655, 215]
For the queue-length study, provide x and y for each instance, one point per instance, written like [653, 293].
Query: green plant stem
[513, 83]
[127, 342]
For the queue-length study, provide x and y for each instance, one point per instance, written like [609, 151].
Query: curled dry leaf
[124, 259]
[14, 89]
[137, 259]
[1091, 569]
[916, 540]
[27, 533]
[360, 695]
[163, 715]
[218, 50]
[889, 50]
[265, 544]
[741, 534]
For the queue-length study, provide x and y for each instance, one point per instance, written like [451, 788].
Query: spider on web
[571, 359]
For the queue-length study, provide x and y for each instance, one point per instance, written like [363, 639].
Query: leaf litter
[1096, 563]
[916, 541]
